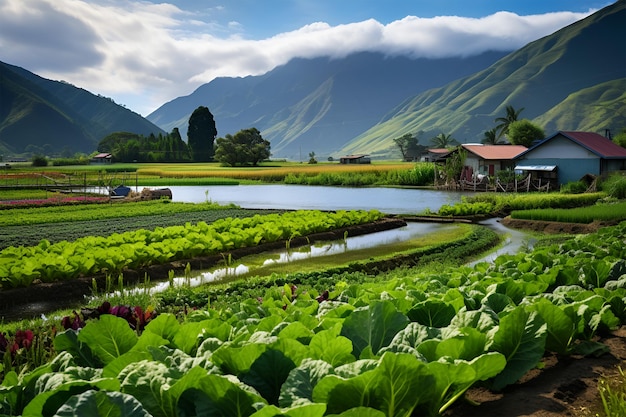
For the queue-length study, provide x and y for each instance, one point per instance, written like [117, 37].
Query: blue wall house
[575, 154]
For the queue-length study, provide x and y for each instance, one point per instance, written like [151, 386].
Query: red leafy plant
[21, 339]
[136, 317]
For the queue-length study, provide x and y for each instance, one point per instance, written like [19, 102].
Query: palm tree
[443, 141]
[504, 122]
[491, 137]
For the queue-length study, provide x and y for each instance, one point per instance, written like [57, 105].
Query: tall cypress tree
[201, 135]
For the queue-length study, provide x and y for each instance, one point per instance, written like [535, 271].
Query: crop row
[265, 173]
[419, 175]
[20, 266]
[504, 203]
[27, 235]
[91, 212]
[598, 212]
[412, 345]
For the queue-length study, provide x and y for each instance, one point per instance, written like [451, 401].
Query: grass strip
[586, 215]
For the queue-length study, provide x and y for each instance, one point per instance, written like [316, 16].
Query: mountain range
[573, 79]
[317, 104]
[44, 116]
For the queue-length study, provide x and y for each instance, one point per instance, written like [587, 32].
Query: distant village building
[487, 159]
[573, 155]
[102, 158]
[355, 159]
[434, 154]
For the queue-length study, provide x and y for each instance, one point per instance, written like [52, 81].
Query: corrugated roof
[535, 168]
[495, 151]
[596, 143]
[103, 155]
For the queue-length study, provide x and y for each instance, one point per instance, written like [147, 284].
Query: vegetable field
[408, 346]
[60, 229]
[87, 256]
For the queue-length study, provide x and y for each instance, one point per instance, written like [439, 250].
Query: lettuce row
[20, 266]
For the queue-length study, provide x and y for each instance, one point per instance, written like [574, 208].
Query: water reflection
[514, 241]
[297, 197]
[372, 240]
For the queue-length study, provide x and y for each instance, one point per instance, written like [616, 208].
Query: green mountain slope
[317, 104]
[36, 111]
[590, 109]
[564, 75]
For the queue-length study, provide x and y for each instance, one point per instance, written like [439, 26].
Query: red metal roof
[495, 151]
[596, 143]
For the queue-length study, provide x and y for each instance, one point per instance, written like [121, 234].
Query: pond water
[296, 197]
[374, 240]
[279, 196]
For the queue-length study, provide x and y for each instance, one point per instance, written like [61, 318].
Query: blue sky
[144, 53]
[260, 19]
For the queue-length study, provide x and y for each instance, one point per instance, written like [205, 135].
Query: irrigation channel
[259, 264]
[388, 200]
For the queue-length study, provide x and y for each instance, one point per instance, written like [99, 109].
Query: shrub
[574, 187]
[40, 161]
[69, 161]
[615, 186]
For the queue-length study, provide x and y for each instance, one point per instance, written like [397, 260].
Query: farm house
[573, 155]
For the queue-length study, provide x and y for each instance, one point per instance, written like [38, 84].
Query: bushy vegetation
[503, 204]
[615, 186]
[39, 161]
[58, 162]
[420, 175]
[574, 187]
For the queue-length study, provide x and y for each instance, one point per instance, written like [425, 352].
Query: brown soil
[566, 386]
[553, 227]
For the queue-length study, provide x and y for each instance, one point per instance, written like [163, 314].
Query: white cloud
[144, 54]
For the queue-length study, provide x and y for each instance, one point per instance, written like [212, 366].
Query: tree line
[508, 130]
[246, 147]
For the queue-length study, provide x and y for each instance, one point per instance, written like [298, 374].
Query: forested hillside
[52, 117]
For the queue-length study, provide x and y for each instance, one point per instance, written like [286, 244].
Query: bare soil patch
[566, 386]
[553, 227]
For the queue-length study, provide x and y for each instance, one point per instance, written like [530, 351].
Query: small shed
[355, 159]
[102, 158]
[575, 154]
[543, 177]
[120, 191]
[435, 154]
